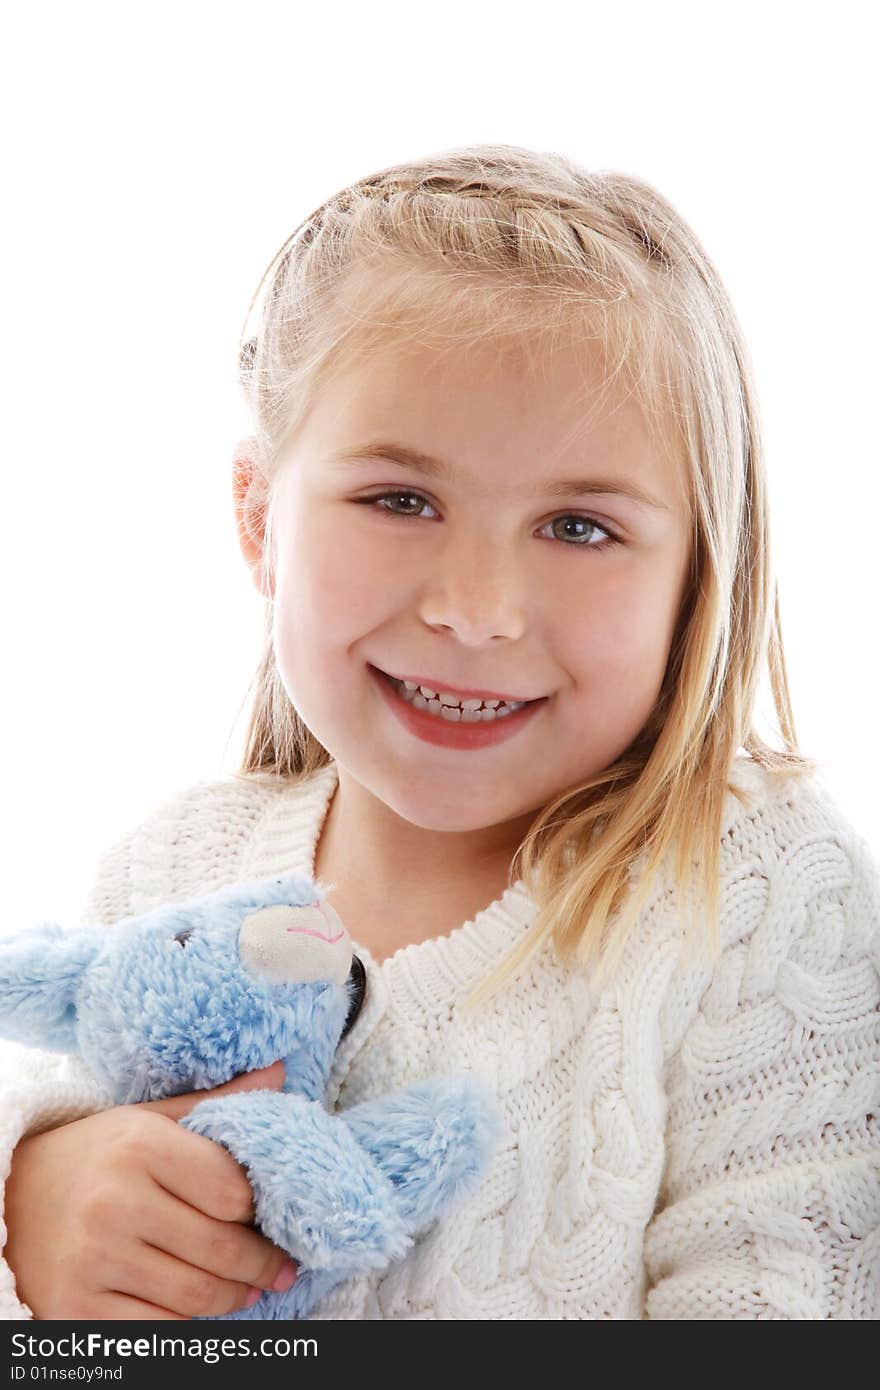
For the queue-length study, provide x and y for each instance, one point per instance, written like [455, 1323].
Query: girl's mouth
[462, 724]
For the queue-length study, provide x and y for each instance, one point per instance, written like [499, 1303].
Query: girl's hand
[126, 1214]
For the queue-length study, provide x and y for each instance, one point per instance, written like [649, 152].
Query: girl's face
[496, 572]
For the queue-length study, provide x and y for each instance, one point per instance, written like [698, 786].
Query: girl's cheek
[335, 587]
[614, 637]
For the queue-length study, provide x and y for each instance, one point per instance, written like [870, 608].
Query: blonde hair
[491, 241]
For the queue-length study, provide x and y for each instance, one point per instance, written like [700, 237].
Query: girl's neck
[396, 883]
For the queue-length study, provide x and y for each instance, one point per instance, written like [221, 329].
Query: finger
[224, 1248]
[199, 1172]
[118, 1308]
[266, 1079]
[150, 1275]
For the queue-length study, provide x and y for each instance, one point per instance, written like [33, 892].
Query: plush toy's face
[189, 995]
[285, 944]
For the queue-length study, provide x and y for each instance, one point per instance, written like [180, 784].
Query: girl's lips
[432, 728]
[429, 683]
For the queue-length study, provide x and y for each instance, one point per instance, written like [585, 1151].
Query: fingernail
[252, 1297]
[285, 1278]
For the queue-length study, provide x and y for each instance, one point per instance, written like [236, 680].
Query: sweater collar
[288, 837]
[424, 978]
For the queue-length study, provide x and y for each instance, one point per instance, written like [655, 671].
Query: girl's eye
[581, 540]
[396, 496]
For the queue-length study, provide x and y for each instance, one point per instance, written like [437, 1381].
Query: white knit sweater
[689, 1143]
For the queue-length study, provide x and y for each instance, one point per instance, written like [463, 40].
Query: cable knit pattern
[690, 1142]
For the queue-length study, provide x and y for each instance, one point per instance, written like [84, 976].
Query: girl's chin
[438, 799]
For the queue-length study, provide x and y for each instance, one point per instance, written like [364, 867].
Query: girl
[507, 504]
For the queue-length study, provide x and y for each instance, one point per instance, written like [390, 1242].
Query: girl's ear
[40, 974]
[249, 493]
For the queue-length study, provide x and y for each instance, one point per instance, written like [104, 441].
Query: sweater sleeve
[41, 1090]
[770, 1198]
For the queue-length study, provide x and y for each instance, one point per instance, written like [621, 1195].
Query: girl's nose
[476, 593]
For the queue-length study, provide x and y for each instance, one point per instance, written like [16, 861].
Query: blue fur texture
[165, 1003]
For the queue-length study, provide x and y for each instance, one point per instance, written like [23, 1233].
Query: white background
[155, 159]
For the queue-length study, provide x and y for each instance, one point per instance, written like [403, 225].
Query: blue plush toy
[191, 994]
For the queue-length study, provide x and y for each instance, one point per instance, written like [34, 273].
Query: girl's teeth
[446, 698]
[467, 712]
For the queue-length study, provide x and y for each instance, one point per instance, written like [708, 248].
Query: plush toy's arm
[317, 1193]
[347, 1192]
[434, 1140]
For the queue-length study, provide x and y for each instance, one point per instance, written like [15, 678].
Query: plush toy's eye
[183, 937]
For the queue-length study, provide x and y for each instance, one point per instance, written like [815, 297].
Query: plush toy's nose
[293, 945]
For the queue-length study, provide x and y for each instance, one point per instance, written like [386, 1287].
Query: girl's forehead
[503, 387]
[550, 416]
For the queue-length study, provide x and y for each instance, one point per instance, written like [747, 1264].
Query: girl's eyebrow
[433, 467]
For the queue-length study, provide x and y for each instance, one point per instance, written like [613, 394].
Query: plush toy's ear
[40, 972]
